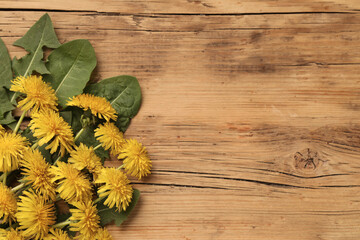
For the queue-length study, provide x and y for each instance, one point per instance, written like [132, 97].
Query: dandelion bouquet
[55, 160]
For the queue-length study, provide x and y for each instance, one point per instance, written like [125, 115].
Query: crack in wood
[273, 184]
[181, 186]
[186, 172]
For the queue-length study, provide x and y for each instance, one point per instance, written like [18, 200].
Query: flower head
[85, 219]
[12, 147]
[117, 188]
[35, 215]
[85, 157]
[103, 234]
[73, 185]
[2, 129]
[136, 159]
[50, 127]
[98, 106]
[37, 173]
[12, 234]
[39, 95]
[8, 205]
[109, 136]
[57, 234]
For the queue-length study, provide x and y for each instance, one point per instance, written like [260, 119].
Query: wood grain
[251, 120]
[186, 6]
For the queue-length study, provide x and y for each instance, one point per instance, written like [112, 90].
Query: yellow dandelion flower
[3, 233]
[85, 219]
[73, 185]
[136, 159]
[37, 173]
[15, 235]
[98, 106]
[57, 234]
[2, 129]
[11, 151]
[12, 234]
[85, 157]
[103, 234]
[39, 94]
[117, 188]
[35, 215]
[50, 127]
[109, 136]
[8, 205]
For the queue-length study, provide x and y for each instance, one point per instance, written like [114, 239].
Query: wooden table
[250, 110]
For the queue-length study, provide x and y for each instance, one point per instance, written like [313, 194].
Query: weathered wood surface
[250, 110]
[186, 6]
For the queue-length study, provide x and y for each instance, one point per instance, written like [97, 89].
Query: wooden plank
[186, 6]
[252, 121]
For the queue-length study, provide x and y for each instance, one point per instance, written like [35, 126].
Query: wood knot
[307, 159]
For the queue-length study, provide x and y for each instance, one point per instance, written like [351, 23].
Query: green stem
[24, 188]
[35, 145]
[4, 176]
[122, 166]
[58, 198]
[55, 163]
[19, 122]
[79, 134]
[99, 199]
[62, 224]
[13, 97]
[97, 146]
[18, 187]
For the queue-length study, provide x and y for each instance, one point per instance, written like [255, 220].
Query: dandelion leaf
[5, 108]
[124, 94]
[5, 66]
[70, 68]
[39, 35]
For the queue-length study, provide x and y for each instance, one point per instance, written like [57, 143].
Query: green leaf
[5, 66]
[70, 66]
[76, 114]
[39, 35]
[122, 123]
[107, 215]
[67, 116]
[11, 121]
[124, 94]
[5, 108]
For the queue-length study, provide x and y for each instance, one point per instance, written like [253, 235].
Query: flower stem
[99, 199]
[55, 163]
[58, 198]
[21, 185]
[97, 146]
[79, 134]
[62, 224]
[4, 176]
[35, 145]
[122, 166]
[13, 97]
[19, 122]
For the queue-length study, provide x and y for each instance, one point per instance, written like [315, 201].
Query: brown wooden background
[250, 110]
